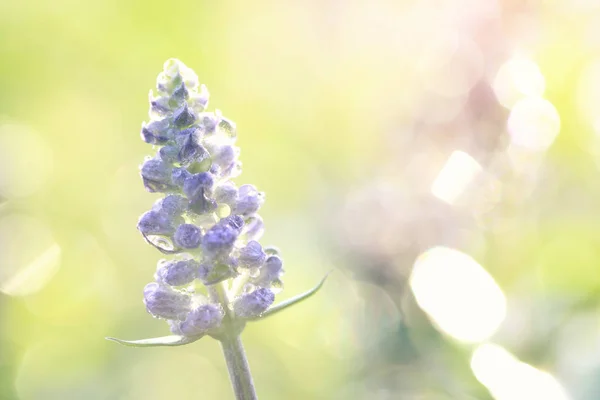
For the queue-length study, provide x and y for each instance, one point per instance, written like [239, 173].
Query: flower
[164, 302]
[203, 217]
[202, 319]
[254, 303]
[177, 272]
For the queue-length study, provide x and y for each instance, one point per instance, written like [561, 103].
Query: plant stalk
[233, 350]
[239, 371]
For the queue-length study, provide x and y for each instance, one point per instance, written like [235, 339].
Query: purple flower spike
[203, 216]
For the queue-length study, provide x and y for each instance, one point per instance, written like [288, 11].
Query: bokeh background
[441, 156]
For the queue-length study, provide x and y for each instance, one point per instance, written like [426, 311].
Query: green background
[325, 95]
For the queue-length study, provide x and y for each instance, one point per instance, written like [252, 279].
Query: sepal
[290, 302]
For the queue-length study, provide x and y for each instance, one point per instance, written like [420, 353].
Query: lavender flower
[205, 215]
[194, 163]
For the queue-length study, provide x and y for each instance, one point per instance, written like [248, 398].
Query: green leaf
[290, 302]
[173, 340]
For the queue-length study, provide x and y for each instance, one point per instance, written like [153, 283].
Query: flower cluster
[204, 219]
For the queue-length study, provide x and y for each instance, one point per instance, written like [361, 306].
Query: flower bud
[191, 149]
[225, 155]
[179, 176]
[227, 128]
[252, 256]
[195, 185]
[183, 134]
[180, 94]
[159, 106]
[202, 319]
[174, 67]
[174, 327]
[254, 228]
[156, 132]
[209, 122]
[218, 240]
[254, 303]
[232, 170]
[171, 205]
[174, 74]
[188, 236]
[249, 200]
[271, 271]
[226, 193]
[156, 175]
[164, 302]
[156, 223]
[235, 221]
[169, 154]
[183, 116]
[178, 272]
[199, 101]
[202, 205]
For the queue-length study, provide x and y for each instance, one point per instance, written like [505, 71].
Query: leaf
[173, 340]
[290, 302]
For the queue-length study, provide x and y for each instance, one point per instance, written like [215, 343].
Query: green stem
[239, 371]
[233, 350]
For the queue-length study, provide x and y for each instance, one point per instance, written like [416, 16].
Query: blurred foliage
[333, 101]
